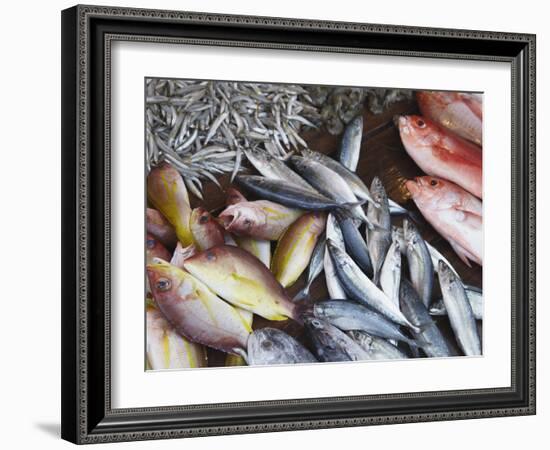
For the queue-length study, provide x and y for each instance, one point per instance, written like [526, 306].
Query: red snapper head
[242, 218]
[417, 131]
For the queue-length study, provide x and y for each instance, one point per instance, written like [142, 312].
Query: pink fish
[442, 154]
[260, 219]
[159, 227]
[181, 254]
[207, 232]
[457, 111]
[453, 212]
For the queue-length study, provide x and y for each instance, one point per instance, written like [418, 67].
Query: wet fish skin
[420, 262]
[165, 348]
[168, 194]
[242, 280]
[270, 346]
[331, 344]
[334, 233]
[295, 247]
[195, 311]
[206, 231]
[289, 195]
[475, 297]
[379, 238]
[454, 213]
[350, 146]
[361, 288]
[441, 154]
[260, 219]
[355, 245]
[275, 169]
[328, 182]
[390, 274]
[459, 112]
[181, 254]
[357, 186]
[159, 227]
[429, 337]
[377, 348]
[154, 249]
[315, 268]
[347, 316]
[459, 311]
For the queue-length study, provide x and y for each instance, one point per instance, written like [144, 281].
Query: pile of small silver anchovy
[202, 127]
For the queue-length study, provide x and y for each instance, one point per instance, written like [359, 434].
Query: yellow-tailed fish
[154, 249]
[295, 247]
[168, 194]
[207, 232]
[238, 360]
[195, 311]
[260, 219]
[242, 279]
[166, 349]
[159, 227]
[260, 248]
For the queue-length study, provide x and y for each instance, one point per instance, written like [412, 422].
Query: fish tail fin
[302, 295]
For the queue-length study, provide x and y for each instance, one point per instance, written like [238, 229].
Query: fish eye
[420, 123]
[203, 219]
[150, 243]
[210, 256]
[316, 323]
[433, 183]
[164, 284]
[267, 345]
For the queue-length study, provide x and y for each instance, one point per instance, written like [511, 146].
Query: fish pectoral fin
[463, 254]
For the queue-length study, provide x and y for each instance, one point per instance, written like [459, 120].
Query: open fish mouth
[228, 220]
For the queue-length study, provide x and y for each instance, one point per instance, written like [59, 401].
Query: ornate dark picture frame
[87, 34]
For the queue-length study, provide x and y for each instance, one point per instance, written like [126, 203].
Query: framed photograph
[282, 224]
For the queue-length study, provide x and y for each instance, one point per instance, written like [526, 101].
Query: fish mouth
[227, 220]
[413, 186]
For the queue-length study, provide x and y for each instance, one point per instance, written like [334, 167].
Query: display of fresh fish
[195, 311]
[420, 262]
[361, 288]
[269, 346]
[295, 247]
[260, 248]
[453, 212]
[347, 315]
[331, 344]
[377, 348]
[457, 111]
[290, 195]
[166, 349]
[428, 336]
[241, 279]
[260, 219]
[459, 311]
[315, 267]
[328, 182]
[441, 154]
[390, 274]
[168, 194]
[350, 146]
[159, 227]
[355, 245]
[275, 169]
[181, 254]
[379, 238]
[206, 231]
[357, 186]
[475, 297]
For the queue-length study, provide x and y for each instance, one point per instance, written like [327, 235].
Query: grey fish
[390, 274]
[274, 169]
[288, 194]
[333, 233]
[429, 338]
[475, 297]
[327, 182]
[377, 348]
[361, 288]
[420, 263]
[359, 189]
[459, 311]
[315, 267]
[350, 146]
[355, 245]
[267, 346]
[331, 344]
[378, 238]
[348, 316]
